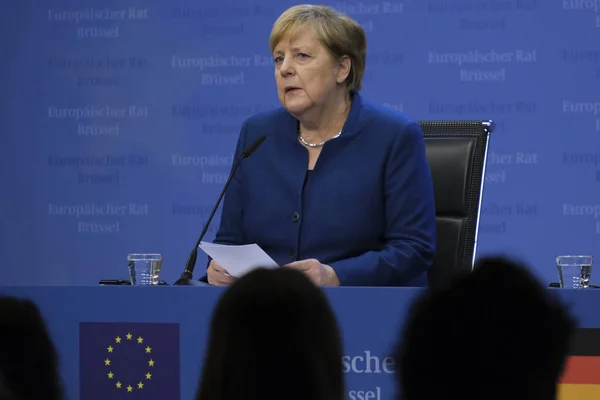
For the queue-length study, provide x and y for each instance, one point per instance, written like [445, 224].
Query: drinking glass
[574, 272]
[144, 268]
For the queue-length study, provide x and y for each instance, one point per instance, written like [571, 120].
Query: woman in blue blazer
[341, 188]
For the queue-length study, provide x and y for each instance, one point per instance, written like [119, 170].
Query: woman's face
[307, 76]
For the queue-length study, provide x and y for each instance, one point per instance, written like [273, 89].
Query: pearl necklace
[304, 142]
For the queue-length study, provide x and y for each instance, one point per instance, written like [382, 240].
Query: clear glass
[144, 268]
[574, 271]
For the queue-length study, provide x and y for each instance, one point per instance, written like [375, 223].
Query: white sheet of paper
[238, 260]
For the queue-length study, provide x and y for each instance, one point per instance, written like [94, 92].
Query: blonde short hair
[340, 34]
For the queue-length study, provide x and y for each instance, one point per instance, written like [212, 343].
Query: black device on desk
[121, 282]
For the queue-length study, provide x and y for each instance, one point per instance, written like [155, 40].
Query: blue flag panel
[129, 361]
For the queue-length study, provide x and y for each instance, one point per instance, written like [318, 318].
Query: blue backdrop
[119, 119]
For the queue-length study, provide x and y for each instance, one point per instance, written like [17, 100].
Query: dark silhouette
[273, 336]
[28, 359]
[495, 333]
[5, 393]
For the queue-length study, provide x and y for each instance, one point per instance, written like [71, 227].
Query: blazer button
[296, 217]
[292, 255]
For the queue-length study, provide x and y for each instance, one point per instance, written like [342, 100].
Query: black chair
[456, 152]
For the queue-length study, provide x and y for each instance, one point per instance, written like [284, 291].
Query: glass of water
[574, 272]
[144, 268]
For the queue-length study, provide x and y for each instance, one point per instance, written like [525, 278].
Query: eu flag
[128, 361]
[581, 378]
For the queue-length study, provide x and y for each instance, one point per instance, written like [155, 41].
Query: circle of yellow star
[111, 375]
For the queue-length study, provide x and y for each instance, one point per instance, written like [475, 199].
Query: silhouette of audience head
[28, 360]
[495, 333]
[273, 336]
[5, 393]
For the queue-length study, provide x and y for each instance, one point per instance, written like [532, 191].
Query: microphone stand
[187, 275]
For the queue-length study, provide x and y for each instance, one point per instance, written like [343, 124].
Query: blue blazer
[367, 209]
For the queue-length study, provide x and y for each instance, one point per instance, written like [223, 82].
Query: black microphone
[186, 277]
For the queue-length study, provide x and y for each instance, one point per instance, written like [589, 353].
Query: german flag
[581, 378]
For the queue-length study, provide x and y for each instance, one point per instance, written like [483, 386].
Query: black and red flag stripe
[581, 378]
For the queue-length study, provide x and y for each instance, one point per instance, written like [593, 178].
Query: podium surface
[369, 318]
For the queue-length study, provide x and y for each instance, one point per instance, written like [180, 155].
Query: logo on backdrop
[94, 120]
[102, 71]
[222, 22]
[585, 163]
[215, 167]
[584, 211]
[104, 218]
[484, 15]
[589, 7]
[94, 170]
[586, 61]
[91, 23]
[591, 109]
[482, 65]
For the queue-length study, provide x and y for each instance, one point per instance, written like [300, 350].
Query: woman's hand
[320, 274]
[217, 275]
